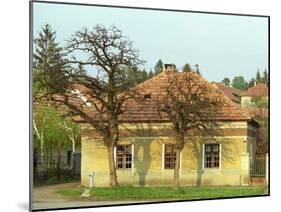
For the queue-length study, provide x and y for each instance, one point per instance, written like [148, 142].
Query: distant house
[256, 93]
[232, 93]
[255, 100]
[145, 154]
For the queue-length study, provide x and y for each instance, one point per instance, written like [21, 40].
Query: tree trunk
[178, 148]
[42, 153]
[112, 168]
[59, 160]
[176, 170]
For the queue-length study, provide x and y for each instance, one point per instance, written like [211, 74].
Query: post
[266, 169]
[91, 177]
[245, 169]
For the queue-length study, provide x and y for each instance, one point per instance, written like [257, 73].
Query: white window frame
[203, 158]
[163, 158]
[133, 155]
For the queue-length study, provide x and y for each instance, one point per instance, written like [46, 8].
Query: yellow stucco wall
[246, 101]
[148, 168]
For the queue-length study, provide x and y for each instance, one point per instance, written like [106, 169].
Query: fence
[66, 163]
[259, 170]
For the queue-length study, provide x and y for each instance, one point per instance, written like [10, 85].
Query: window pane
[212, 156]
[124, 156]
[169, 157]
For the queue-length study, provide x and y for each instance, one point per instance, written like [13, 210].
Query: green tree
[258, 77]
[187, 68]
[49, 64]
[261, 104]
[158, 67]
[52, 130]
[136, 76]
[239, 83]
[265, 77]
[226, 81]
[251, 83]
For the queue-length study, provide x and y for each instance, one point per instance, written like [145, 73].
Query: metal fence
[258, 171]
[65, 163]
[258, 167]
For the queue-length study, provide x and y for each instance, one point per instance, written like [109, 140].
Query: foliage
[226, 81]
[187, 68]
[239, 83]
[158, 67]
[265, 77]
[54, 128]
[258, 76]
[49, 64]
[50, 177]
[136, 76]
[261, 104]
[251, 83]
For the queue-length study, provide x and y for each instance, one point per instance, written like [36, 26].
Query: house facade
[255, 95]
[144, 155]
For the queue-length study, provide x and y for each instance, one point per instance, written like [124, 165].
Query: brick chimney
[169, 67]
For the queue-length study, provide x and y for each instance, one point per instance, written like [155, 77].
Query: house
[144, 154]
[258, 92]
[255, 100]
[232, 93]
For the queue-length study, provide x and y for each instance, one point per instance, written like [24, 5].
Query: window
[169, 157]
[212, 155]
[124, 156]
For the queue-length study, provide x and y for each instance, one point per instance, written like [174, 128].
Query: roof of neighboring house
[230, 92]
[259, 90]
[147, 110]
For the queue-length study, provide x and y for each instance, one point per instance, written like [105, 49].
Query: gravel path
[48, 193]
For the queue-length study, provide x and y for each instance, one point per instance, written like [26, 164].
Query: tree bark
[112, 168]
[176, 170]
[178, 148]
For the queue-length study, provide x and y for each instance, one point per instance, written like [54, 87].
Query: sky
[222, 45]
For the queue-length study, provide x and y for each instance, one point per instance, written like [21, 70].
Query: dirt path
[48, 193]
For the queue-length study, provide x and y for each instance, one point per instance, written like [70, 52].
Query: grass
[163, 193]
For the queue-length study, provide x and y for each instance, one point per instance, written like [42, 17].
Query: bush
[50, 176]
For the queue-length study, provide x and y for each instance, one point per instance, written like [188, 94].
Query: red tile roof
[257, 91]
[230, 92]
[147, 111]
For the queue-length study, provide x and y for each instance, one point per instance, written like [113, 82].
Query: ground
[47, 197]
[68, 195]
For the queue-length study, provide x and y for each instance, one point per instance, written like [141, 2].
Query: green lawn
[163, 193]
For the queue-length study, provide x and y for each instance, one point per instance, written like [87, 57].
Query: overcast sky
[222, 45]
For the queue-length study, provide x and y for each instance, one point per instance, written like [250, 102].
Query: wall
[148, 166]
[246, 101]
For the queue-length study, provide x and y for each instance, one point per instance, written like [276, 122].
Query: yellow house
[255, 95]
[144, 154]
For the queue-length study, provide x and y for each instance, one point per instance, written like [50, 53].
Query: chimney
[169, 67]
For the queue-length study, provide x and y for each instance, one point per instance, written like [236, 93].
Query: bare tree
[103, 90]
[191, 104]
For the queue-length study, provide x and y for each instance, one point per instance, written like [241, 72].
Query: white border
[19, 73]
